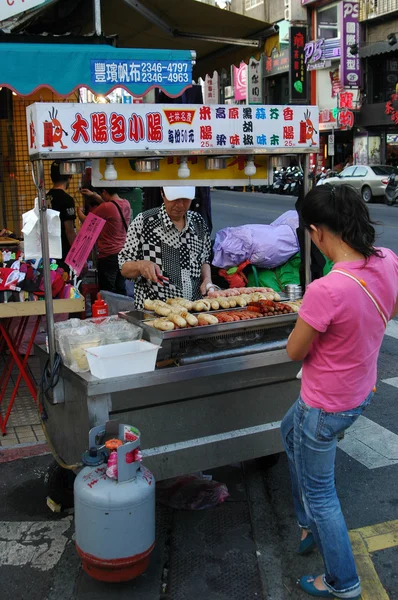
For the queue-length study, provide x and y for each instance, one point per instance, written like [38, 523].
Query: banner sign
[240, 82]
[277, 63]
[84, 242]
[350, 64]
[298, 72]
[255, 82]
[212, 89]
[233, 174]
[153, 72]
[10, 8]
[67, 128]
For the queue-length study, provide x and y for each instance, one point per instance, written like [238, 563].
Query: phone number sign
[141, 71]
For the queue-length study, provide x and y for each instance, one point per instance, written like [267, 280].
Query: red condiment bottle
[99, 308]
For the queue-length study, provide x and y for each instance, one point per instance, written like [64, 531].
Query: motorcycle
[391, 191]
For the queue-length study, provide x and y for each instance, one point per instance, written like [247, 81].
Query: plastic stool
[89, 289]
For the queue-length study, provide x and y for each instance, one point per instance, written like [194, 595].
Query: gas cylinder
[114, 518]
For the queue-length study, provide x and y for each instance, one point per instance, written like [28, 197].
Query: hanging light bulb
[250, 168]
[183, 170]
[110, 171]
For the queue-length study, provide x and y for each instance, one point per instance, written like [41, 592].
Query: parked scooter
[391, 192]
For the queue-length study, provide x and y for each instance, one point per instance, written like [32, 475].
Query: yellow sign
[234, 174]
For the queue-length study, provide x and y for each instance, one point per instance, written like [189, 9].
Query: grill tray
[196, 344]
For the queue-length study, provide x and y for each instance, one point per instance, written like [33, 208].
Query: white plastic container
[117, 360]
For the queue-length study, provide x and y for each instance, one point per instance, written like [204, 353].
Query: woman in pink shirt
[338, 335]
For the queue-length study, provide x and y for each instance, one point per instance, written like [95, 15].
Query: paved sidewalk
[23, 426]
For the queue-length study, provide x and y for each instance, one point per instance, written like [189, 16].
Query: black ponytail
[342, 210]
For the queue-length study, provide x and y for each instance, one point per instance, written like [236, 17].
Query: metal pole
[307, 238]
[97, 17]
[48, 296]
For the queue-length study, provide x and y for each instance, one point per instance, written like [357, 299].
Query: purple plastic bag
[266, 246]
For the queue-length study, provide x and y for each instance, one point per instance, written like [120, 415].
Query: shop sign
[155, 72]
[234, 172]
[255, 82]
[328, 119]
[350, 63]
[69, 128]
[298, 71]
[335, 82]
[322, 64]
[240, 82]
[392, 139]
[320, 53]
[10, 8]
[331, 145]
[346, 119]
[391, 109]
[277, 63]
[212, 89]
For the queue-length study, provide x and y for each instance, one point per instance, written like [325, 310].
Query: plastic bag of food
[191, 492]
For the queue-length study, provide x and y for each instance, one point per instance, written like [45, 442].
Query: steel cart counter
[222, 402]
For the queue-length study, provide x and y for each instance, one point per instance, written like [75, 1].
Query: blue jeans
[310, 439]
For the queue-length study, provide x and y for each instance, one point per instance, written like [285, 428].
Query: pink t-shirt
[113, 235]
[340, 369]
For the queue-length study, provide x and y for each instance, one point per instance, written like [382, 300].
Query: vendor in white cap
[167, 250]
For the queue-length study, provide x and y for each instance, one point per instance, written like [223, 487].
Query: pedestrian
[65, 205]
[338, 335]
[117, 213]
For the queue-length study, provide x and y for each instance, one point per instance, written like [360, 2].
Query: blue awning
[63, 68]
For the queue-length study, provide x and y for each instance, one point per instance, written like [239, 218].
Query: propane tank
[114, 518]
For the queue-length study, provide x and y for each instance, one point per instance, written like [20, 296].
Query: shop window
[327, 22]
[249, 4]
[383, 77]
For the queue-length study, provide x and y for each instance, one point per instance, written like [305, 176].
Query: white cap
[186, 192]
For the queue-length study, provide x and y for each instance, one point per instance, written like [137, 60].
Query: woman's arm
[206, 278]
[300, 340]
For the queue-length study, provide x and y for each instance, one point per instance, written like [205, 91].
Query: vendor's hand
[204, 286]
[149, 270]
[3, 232]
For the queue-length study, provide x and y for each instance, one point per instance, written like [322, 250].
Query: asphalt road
[231, 209]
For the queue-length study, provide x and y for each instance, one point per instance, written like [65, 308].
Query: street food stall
[221, 385]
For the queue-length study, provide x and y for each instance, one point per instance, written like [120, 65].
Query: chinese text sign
[350, 64]
[240, 81]
[155, 127]
[298, 70]
[84, 242]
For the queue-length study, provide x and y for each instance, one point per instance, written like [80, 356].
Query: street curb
[10, 453]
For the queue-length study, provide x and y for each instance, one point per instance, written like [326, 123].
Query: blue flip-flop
[307, 545]
[307, 584]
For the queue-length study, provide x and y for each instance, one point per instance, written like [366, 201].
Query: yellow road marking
[365, 541]
[372, 588]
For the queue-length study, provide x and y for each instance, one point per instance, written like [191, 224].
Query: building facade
[378, 118]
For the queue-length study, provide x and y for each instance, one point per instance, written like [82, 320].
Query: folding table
[14, 318]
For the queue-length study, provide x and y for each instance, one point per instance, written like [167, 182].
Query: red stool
[89, 289]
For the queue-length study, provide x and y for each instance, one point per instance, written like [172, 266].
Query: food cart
[219, 391]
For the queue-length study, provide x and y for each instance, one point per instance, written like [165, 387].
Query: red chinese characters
[79, 128]
[288, 114]
[206, 132]
[176, 117]
[205, 113]
[233, 113]
[154, 127]
[99, 128]
[118, 128]
[298, 40]
[136, 128]
[288, 132]
[234, 140]
[346, 100]
[346, 118]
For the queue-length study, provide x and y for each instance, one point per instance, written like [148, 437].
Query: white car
[370, 180]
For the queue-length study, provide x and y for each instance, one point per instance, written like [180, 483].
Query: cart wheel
[266, 462]
[59, 483]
